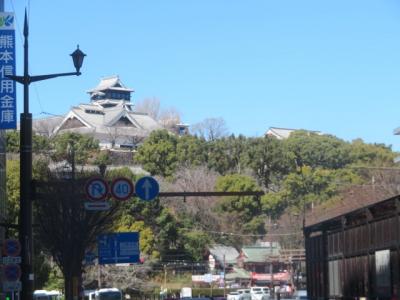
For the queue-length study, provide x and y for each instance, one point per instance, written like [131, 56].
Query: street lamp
[25, 215]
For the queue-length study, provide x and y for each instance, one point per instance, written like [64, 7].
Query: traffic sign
[12, 286]
[96, 189]
[7, 260]
[117, 248]
[147, 188]
[12, 272]
[11, 247]
[99, 205]
[122, 188]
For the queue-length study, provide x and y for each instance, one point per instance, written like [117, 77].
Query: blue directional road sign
[147, 188]
[118, 248]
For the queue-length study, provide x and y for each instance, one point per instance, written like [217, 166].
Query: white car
[259, 295]
[233, 296]
[266, 291]
[244, 294]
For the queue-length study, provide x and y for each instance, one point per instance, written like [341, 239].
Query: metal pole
[224, 278]
[25, 217]
[25, 214]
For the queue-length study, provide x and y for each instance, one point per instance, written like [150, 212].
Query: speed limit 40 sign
[122, 188]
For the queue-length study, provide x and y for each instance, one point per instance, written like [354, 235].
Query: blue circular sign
[11, 247]
[96, 189]
[147, 188]
[12, 272]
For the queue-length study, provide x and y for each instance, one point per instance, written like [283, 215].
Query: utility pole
[26, 212]
[224, 278]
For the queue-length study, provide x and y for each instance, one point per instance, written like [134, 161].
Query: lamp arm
[29, 79]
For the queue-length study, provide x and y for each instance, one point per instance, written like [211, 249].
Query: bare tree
[113, 134]
[122, 277]
[169, 117]
[47, 126]
[150, 106]
[210, 129]
[66, 230]
[199, 179]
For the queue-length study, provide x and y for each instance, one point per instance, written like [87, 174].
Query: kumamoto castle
[109, 117]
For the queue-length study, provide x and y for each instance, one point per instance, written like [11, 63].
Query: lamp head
[77, 57]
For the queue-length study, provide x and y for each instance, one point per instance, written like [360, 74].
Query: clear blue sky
[332, 66]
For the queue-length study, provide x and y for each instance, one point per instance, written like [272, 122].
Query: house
[263, 262]
[354, 252]
[224, 256]
[284, 133]
[109, 117]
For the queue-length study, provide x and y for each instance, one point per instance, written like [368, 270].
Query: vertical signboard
[8, 107]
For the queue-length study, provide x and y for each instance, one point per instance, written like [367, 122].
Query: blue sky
[332, 66]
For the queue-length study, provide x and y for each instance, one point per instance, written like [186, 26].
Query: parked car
[266, 290]
[259, 295]
[234, 296]
[245, 294]
[255, 289]
[300, 295]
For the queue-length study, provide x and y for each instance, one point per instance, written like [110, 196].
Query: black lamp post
[25, 216]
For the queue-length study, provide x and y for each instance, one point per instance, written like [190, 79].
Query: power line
[248, 235]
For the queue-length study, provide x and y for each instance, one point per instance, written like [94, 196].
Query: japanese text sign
[8, 107]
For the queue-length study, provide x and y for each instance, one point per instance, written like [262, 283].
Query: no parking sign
[11, 247]
[96, 189]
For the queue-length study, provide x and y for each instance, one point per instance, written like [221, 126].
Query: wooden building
[355, 255]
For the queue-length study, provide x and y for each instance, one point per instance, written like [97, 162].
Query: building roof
[284, 133]
[259, 253]
[238, 273]
[219, 251]
[112, 121]
[118, 123]
[107, 83]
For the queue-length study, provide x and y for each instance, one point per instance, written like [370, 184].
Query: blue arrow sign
[147, 188]
[118, 248]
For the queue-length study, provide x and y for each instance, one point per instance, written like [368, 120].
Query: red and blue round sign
[12, 272]
[122, 188]
[96, 189]
[11, 247]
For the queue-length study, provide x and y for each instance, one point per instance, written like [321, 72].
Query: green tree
[227, 155]
[191, 151]
[308, 186]
[269, 160]
[196, 243]
[240, 213]
[12, 140]
[376, 155]
[39, 143]
[70, 145]
[13, 193]
[315, 150]
[158, 153]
